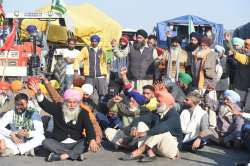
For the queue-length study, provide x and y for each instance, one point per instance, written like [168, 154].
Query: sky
[135, 14]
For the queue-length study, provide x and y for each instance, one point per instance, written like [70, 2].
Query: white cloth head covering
[219, 49]
[88, 88]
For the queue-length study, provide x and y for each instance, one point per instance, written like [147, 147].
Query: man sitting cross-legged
[67, 141]
[25, 131]
[162, 130]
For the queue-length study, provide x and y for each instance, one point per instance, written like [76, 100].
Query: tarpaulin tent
[85, 20]
[242, 31]
[162, 27]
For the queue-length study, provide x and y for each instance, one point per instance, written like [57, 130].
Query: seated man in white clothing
[25, 131]
[194, 123]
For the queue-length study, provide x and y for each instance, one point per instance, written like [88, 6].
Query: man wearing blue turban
[94, 65]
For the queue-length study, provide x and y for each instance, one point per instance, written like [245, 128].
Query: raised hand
[159, 86]
[35, 87]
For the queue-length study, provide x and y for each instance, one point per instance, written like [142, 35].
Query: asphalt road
[208, 156]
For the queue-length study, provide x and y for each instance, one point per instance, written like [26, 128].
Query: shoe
[242, 164]
[30, 153]
[53, 157]
[147, 159]
[82, 157]
[128, 157]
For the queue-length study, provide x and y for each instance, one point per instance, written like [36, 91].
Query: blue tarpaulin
[162, 27]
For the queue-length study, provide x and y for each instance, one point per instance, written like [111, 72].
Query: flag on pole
[190, 25]
[59, 6]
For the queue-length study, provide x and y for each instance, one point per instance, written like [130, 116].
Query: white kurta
[36, 134]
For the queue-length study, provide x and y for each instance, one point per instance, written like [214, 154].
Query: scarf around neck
[24, 120]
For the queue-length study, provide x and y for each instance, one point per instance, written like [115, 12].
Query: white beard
[162, 109]
[2, 100]
[70, 115]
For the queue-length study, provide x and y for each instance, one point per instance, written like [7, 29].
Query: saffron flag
[59, 6]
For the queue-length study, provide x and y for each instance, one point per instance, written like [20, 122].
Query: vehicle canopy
[83, 20]
[180, 26]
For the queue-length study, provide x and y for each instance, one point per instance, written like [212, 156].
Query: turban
[206, 41]
[196, 35]
[195, 96]
[4, 86]
[238, 41]
[124, 39]
[95, 38]
[219, 49]
[43, 89]
[140, 99]
[142, 33]
[185, 78]
[88, 89]
[79, 90]
[176, 39]
[33, 79]
[114, 89]
[16, 85]
[31, 28]
[72, 94]
[78, 82]
[55, 84]
[165, 97]
[232, 96]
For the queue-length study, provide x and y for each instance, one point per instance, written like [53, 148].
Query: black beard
[138, 45]
[186, 106]
[86, 100]
[70, 48]
[192, 46]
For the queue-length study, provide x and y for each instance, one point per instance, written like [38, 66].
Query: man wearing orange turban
[163, 136]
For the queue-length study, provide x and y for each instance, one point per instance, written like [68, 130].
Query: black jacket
[63, 130]
[169, 123]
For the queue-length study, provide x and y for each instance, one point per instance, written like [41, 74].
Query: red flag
[10, 38]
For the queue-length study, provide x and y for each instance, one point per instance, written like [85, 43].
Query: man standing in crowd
[203, 65]
[176, 61]
[67, 141]
[160, 65]
[69, 56]
[241, 81]
[195, 38]
[25, 131]
[141, 61]
[120, 56]
[94, 65]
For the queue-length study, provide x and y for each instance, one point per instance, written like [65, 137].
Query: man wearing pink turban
[67, 141]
